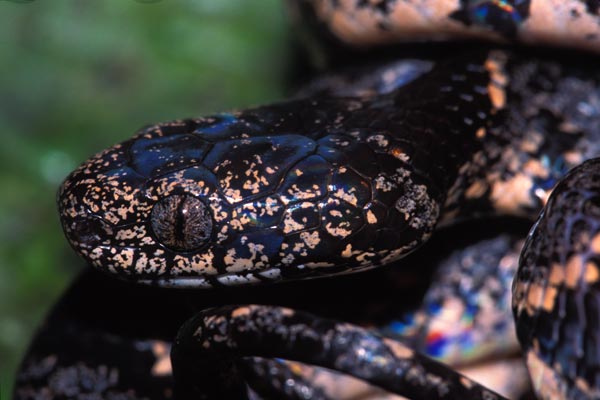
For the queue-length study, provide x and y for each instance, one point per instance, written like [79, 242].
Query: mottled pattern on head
[310, 187]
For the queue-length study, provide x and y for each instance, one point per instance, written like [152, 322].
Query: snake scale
[356, 172]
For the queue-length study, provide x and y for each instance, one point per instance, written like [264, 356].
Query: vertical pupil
[181, 222]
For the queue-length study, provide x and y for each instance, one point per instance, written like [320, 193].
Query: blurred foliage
[78, 76]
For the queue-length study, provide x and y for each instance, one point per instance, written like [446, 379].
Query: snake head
[311, 187]
[200, 203]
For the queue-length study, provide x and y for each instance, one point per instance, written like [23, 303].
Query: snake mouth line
[223, 280]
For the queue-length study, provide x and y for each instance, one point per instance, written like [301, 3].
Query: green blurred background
[78, 76]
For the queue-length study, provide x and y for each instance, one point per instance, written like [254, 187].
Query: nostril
[89, 230]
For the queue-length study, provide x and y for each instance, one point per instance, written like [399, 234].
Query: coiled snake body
[354, 174]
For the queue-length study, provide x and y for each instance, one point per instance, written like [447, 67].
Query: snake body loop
[208, 345]
[365, 24]
[556, 289]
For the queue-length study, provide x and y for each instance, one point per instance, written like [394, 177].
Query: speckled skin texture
[207, 344]
[507, 375]
[356, 172]
[337, 182]
[514, 125]
[306, 188]
[102, 335]
[364, 23]
[555, 292]
[545, 125]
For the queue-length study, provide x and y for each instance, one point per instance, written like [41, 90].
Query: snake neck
[546, 126]
[434, 115]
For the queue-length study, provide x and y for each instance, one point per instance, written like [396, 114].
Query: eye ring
[181, 222]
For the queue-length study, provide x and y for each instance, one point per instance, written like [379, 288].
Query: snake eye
[181, 222]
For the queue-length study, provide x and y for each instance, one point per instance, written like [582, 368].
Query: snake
[356, 173]
[110, 354]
